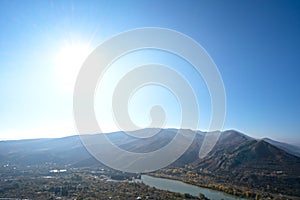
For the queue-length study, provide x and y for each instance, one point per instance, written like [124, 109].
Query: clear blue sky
[255, 44]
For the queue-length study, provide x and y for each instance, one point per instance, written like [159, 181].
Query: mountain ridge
[235, 159]
[228, 138]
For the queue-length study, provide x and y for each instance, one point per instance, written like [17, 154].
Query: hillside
[236, 158]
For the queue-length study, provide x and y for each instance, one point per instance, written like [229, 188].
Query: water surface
[181, 187]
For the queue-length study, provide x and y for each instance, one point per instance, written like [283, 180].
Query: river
[181, 187]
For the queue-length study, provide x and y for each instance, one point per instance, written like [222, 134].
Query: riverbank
[237, 192]
[185, 188]
[242, 192]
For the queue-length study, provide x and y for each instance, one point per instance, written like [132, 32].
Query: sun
[68, 63]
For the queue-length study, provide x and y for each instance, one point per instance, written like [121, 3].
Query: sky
[255, 45]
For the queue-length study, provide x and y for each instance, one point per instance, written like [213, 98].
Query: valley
[238, 164]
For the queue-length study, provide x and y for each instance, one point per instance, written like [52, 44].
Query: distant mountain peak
[289, 148]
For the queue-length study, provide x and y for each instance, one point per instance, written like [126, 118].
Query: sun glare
[68, 63]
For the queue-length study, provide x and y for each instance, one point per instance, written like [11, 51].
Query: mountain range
[235, 157]
[234, 147]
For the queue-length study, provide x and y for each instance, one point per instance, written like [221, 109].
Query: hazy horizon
[71, 135]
